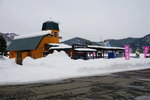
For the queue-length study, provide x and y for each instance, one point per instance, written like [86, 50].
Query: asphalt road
[131, 85]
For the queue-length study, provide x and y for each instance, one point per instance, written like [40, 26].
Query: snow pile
[59, 66]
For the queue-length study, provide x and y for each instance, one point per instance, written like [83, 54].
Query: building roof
[50, 25]
[85, 49]
[33, 34]
[59, 46]
[105, 48]
[27, 43]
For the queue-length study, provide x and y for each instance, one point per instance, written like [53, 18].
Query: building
[111, 52]
[75, 51]
[34, 45]
[45, 42]
[85, 52]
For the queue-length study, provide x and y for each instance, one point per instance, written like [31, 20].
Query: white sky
[90, 19]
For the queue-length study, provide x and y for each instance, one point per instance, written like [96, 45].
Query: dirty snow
[59, 66]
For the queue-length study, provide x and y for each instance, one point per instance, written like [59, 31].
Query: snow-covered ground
[59, 66]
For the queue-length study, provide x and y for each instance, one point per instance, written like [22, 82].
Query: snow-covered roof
[59, 46]
[32, 35]
[84, 49]
[54, 44]
[103, 47]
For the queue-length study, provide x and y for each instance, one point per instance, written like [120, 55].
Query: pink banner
[127, 52]
[146, 49]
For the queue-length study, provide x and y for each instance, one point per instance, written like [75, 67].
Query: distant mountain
[81, 41]
[121, 42]
[133, 42]
[141, 42]
[8, 37]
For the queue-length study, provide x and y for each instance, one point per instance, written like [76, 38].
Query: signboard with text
[146, 50]
[127, 52]
[79, 46]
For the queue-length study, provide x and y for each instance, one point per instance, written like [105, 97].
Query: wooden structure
[75, 51]
[34, 45]
[60, 47]
[87, 51]
[101, 50]
[83, 52]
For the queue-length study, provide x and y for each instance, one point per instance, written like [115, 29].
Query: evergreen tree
[2, 45]
[88, 43]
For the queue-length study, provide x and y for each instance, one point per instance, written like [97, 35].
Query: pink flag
[127, 52]
[146, 49]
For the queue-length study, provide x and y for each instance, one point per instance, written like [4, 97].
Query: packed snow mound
[58, 66]
[50, 60]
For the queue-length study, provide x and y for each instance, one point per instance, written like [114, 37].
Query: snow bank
[59, 66]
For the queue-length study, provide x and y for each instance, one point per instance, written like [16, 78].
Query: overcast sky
[92, 19]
